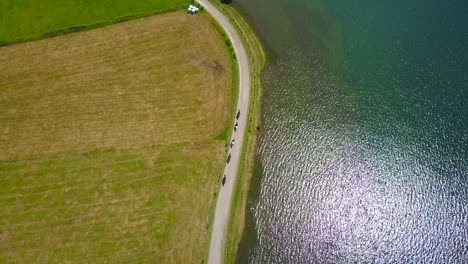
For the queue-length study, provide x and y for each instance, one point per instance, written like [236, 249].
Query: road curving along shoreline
[225, 194]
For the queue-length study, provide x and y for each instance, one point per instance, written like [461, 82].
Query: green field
[135, 205]
[32, 19]
[109, 142]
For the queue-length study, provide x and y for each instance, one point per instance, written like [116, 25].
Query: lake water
[363, 154]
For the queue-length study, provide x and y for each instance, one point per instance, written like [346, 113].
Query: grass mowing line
[22, 21]
[257, 60]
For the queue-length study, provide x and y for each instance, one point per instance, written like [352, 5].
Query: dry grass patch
[162, 79]
[107, 142]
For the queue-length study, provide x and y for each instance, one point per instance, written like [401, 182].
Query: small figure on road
[238, 114]
[232, 142]
[224, 180]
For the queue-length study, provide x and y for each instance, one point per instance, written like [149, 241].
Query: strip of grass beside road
[31, 20]
[227, 132]
[257, 59]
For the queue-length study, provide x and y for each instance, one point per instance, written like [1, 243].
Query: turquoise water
[363, 155]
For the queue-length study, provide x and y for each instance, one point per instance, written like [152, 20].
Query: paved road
[223, 204]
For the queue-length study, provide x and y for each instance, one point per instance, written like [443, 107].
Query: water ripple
[331, 194]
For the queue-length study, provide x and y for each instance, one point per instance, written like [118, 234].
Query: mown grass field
[108, 149]
[26, 19]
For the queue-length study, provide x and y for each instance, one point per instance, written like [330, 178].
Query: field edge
[97, 24]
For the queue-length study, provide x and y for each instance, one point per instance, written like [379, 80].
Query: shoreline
[257, 60]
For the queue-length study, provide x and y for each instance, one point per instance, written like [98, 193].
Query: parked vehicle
[238, 114]
[232, 143]
[224, 180]
[228, 158]
[236, 126]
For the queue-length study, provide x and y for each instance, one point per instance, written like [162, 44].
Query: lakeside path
[223, 204]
